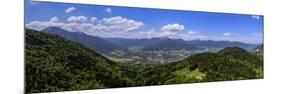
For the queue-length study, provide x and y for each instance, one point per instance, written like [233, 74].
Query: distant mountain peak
[52, 28]
[94, 42]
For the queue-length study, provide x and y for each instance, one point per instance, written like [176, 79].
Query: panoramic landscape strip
[80, 47]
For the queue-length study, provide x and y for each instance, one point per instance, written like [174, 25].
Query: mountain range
[105, 45]
[165, 43]
[96, 43]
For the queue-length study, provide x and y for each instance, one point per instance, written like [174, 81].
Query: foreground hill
[231, 63]
[56, 64]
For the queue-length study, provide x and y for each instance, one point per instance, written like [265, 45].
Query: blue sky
[124, 22]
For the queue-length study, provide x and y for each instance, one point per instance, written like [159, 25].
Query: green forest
[54, 64]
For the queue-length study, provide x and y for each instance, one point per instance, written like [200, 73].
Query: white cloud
[77, 19]
[70, 9]
[255, 17]
[38, 25]
[54, 19]
[93, 19]
[108, 10]
[176, 31]
[114, 27]
[173, 27]
[82, 24]
[119, 22]
[226, 34]
[127, 28]
[192, 33]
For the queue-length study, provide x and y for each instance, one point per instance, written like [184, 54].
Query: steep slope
[231, 63]
[96, 43]
[236, 53]
[55, 64]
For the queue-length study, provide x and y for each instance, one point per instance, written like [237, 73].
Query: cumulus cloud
[226, 34]
[192, 33]
[170, 31]
[118, 26]
[54, 19]
[121, 27]
[255, 17]
[40, 25]
[173, 27]
[77, 19]
[70, 9]
[176, 31]
[148, 34]
[81, 23]
[119, 22]
[93, 19]
[108, 10]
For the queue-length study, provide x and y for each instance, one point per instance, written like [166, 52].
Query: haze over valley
[146, 50]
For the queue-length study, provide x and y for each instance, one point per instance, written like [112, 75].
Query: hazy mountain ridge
[93, 42]
[109, 44]
[151, 50]
[163, 42]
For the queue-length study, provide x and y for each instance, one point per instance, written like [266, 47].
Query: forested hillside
[229, 64]
[57, 64]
